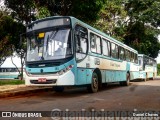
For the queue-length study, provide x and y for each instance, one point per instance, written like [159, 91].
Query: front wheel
[93, 87]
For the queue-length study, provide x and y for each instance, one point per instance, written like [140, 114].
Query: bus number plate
[42, 80]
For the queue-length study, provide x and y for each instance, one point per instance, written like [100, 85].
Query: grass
[11, 82]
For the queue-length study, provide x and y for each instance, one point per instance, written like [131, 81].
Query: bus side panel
[81, 76]
[115, 76]
[103, 73]
[142, 74]
[134, 75]
[89, 76]
[134, 71]
[150, 74]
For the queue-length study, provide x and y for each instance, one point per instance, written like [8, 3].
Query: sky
[8, 62]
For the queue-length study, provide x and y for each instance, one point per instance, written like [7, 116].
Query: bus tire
[58, 88]
[127, 82]
[153, 77]
[145, 79]
[93, 87]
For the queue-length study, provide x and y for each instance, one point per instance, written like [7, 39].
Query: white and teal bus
[148, 67]
[8, 73]
[64, 51]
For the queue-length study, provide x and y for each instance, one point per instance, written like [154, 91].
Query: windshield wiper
[53, 34]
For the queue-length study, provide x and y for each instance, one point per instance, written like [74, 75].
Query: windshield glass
[50, 45]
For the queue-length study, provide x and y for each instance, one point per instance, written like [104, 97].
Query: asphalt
[21, 90]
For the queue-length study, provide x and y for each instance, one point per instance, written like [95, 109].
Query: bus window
[81, 42]
[114, 50]
[95, 43]
[106, 47]
[132, 57]
[98, 43]
[136, 58]
[127, 55]
[121, 53]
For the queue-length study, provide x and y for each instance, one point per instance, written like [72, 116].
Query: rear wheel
[127, 82]
[145, 79]
[153, 77]
[93, 87]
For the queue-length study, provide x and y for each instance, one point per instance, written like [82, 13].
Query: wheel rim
[95, 81]
[128, 79]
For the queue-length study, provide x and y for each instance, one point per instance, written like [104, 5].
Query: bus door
[81, 43]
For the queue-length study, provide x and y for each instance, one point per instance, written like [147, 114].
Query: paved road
[139, 95]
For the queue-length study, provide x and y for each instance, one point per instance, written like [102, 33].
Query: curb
[23, 92]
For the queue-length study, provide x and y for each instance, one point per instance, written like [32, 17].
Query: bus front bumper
[66, 79]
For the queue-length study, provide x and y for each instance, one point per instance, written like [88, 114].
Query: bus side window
[136, 58]
[81, 39]
[93, 42]
[121, 53]
[128, 55]
[114, 50]
[106, 47]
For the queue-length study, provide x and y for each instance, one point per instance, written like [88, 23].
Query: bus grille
[53, 81]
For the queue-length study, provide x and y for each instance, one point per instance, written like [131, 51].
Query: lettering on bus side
[96, 61]
[87, 65]
[114, 64]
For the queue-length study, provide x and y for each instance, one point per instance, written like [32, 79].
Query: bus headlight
[65, 70]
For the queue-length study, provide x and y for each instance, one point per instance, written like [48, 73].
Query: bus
[8, 73]
[8, 70]
[148, 67]
[64, 51]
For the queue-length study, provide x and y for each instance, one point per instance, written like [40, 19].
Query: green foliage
[133, 22]
[142, 26]
[21, 9]
[42, 13]
[86, 10]
[112, 15]
[158, 69]
[9, 37]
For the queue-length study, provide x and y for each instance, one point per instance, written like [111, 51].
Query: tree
[21, 10]
[142, 26]
[133, 22]
[29, 10]
[112, 18]
[5, 46]
[158, 69]
[9, 37]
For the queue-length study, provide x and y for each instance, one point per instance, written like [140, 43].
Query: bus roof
[141, 55]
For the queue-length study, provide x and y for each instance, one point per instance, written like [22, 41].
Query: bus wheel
[58, 88]
[145, 79]
[127, 82]
[153, 77]
[94, 85]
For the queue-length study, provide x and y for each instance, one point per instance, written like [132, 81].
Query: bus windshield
[49, 45]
